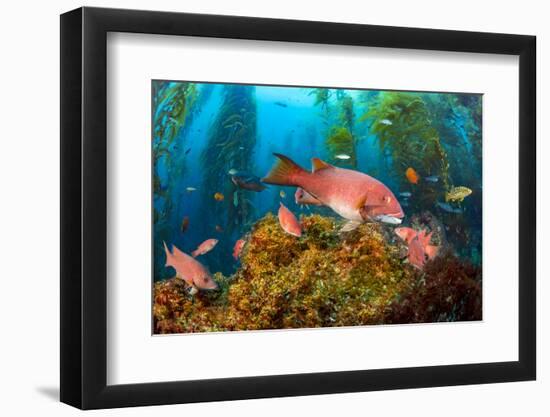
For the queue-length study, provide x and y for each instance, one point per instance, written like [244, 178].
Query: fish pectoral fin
[349, 226]
[361, 203]
[318, 164]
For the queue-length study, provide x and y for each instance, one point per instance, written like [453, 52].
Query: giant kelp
[172, 110]
[403, 126]
[231, 141]
[341, 138]
[341, 141]
[323, 279]
[338, 126]
[457, 118]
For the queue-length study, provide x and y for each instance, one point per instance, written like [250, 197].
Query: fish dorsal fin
[166, 250]
[318, 165]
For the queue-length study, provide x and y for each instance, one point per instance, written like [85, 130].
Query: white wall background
[29, 225]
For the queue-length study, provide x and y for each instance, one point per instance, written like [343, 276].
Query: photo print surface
[283, 207]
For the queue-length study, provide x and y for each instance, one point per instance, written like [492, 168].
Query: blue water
[200, 150]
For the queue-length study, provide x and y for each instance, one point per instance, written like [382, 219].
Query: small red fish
[289, 222]
[303, 197]
[204, 247]
[419, 247]
[239, 244]
[405, 233]
[190, 270]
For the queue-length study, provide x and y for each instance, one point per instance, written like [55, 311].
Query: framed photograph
[257, 208]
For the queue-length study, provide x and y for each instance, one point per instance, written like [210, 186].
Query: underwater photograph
[286, 207]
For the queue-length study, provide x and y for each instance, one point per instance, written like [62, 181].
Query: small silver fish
[190, 189]
[432, 178]
[386, 122]
[232, 171]
[448, 208]
[342, 156]
[405, 194]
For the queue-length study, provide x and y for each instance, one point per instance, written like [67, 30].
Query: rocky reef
[323, 279]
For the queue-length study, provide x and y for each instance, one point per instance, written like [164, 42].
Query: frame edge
[70, 221]
[83, 213]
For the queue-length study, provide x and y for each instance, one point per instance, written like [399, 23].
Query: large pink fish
[189, 269]
[204, 247]
[289, 222]
[355, 196]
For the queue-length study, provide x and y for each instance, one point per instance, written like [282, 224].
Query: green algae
[323, 279]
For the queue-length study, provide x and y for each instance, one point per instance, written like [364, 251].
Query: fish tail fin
[168, 254]
[283, 172]
[195, 253]
[432, 251]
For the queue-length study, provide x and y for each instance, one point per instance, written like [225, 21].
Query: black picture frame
[84, 207]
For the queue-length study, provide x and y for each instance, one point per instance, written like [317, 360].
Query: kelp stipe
[172, 110]
[231, 140]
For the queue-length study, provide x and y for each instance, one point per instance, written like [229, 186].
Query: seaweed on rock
[323, 279]
[449, 291]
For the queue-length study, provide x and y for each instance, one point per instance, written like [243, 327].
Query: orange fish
[204, 247]
[190, 270]
[412, 176]
[289, 222]
[239, 244]
[355, 196]
[419, 247]
[303, 197]
[218, 197]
